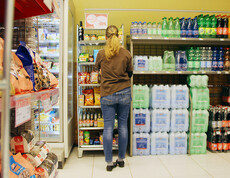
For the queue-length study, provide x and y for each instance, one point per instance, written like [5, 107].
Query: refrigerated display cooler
[55, 39]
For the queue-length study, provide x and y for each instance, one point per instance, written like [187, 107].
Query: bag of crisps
[88, 97]
[97, 96]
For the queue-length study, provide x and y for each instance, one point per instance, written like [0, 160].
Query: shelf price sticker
[46, 103]
[22, 110]
[55, 96]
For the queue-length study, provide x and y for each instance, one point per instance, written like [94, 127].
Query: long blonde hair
[113, 45]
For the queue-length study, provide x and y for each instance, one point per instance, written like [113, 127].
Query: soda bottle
[227, 59]
[164, 32]
[189, 28]
[219, 118]
[225, 141]
[228, 117]
[213, 142]
[154, 29]
[191, 57]
[207, 26]
[80, 32]
[219, 141]
[159, 30]
[219, 29]
[84, 120]
[212, 118]
[177, 28]
[225, 121]
[195, 29]
[183, 28]
[171, 27]
[220, 60]
[197, 59]
[144, 29]
[225, 27]
[213, 26]
[203, 59]
[201, 24]
[88, 120]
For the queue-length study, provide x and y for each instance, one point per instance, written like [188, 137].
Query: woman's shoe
[120, 163]
[110, 167]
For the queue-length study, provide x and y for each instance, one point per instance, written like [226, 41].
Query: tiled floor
[92, 165]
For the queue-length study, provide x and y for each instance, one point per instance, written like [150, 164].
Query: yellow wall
[126, 17]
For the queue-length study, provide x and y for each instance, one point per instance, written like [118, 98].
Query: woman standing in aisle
[115, 65]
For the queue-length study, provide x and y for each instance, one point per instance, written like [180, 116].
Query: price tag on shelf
[22, 110]
[201, 39]
[221, 39]
[183, 38]
[45, 99]
[55, 96]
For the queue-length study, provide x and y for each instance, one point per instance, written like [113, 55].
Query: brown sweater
[114, 73]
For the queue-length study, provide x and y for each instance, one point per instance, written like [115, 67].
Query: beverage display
[200, 120]
[177, 143]
[159, 143]
[141, 120]
[181, 61]
[140, 96]
[160, 120]
[179, 96]
[141, 144]
[141, 63]
[155, 63]
[169, 61]
[179, 120]
[198, 143]
[161, 96]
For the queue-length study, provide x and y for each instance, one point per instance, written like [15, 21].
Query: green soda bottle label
[208, 31]
[190, 64]
[201, 30]
[213, 33]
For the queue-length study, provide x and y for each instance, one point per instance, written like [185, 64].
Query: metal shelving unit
[80, 65]
[171, 42]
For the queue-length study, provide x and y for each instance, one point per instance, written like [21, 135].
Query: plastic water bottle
[159, 30]
[197, 59]
[144, 30]
[220, 59]
[165, 28]
[139, 30]
[179, 96]
[141, 120]
[160, 120]
[208, 29]
[209, 60]
[131, 29]
[135, 29]
[189, 28]
[141, 63]
[183, 28]
[204, 58]
[159, 143]
[169, 62]
[177, 143]
[191, 58]
[198, 143]
[214, 60]
[140, 96]
[141, 144]
[161, 96]
[200, 98]
[200, 121]
[195, 30]
[177, 28]
[171, 27]
[201, 24]
[181, 61]
[149, 30]
[179, 120]
[154, 29]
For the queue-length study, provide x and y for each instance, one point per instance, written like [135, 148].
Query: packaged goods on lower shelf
[159, 143]
[179, 120]
[177, 143]
[141, 63]
[160, 120]
[140, 96]
[199, 121]
[200, 98]
[179, 96]
[198, 143]
[161, 96]
[141, 120]
[141, 144]
[155, 63]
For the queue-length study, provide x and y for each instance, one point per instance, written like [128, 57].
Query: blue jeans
[119, 103]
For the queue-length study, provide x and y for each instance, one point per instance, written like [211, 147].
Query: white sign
[96, 21]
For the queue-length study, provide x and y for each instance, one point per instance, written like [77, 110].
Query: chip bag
[82, 77]
[94, 77]
[97, 96]
[88, 97]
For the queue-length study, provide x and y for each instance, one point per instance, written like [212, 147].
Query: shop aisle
[92, 165]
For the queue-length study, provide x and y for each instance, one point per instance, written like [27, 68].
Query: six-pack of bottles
[219, 129]
[202, 26]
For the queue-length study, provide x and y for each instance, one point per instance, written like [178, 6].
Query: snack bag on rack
[27, 55]
[1, 56]
[88, 97]
[26, 164]
[97, 96]
[82, 76]
[88, 78]
[94, 77]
